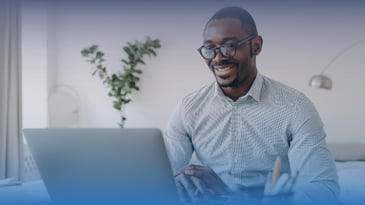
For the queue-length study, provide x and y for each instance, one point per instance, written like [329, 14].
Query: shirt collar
[254, 92]
[217, 90]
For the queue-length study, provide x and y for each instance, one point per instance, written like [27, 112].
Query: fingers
[212, 181]
[183, 194]
[287, 188]
[201, 188]
[193, 170]
[282, 186]
[267, 190]
[185, 170]
[200, 183]
[191, 188]
[186, 188]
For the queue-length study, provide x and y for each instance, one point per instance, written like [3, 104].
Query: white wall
[34, 53]
[299, 40]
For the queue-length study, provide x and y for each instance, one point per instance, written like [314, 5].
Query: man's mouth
[223, 69]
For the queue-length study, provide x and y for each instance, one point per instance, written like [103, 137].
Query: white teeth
[223, 67]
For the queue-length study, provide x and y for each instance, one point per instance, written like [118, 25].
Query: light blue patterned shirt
[241, 139]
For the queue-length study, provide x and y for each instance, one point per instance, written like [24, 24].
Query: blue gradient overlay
[164, 11]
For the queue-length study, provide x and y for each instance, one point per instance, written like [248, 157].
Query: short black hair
[237, 13]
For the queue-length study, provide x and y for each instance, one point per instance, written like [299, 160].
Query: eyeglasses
[226, 50]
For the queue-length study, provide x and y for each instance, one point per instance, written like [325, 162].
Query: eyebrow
[223, 40]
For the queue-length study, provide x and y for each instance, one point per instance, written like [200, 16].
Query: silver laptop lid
[103, 165]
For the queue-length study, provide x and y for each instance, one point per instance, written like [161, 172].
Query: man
[240, 124]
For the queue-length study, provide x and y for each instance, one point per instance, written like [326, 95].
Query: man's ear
[257, 45]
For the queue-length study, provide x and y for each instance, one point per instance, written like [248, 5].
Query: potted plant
[122, 84]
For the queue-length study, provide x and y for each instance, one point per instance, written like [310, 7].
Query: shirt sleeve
[177, 140]
[310, 156]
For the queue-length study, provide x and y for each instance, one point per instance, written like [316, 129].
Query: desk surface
[25, 193]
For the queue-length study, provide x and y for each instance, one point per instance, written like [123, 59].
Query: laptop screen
[103, 165]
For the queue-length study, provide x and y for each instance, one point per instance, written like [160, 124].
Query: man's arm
[177, 140]
[308, 154]
[194, 182]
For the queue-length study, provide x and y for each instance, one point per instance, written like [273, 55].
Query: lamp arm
[339, 54]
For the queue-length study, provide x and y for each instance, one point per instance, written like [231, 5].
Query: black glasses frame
[225, 46]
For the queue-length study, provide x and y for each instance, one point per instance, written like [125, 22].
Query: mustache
[223, 63]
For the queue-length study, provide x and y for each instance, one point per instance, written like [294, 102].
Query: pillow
[347, 151]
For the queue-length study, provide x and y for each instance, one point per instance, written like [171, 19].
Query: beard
[233, 83]
[223, 83]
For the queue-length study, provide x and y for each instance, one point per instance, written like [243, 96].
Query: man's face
[229, 71]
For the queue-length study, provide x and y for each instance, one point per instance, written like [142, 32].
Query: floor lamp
[323, 81]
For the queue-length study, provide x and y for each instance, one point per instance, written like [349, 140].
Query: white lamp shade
[321, 81]
[63, 107]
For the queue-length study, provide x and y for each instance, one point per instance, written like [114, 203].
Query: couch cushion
[347, 151]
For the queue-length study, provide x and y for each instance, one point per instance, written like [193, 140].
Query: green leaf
[99, 54]
[85, 52]
[93, 48]
[152, 52]
[117, 105]
[141, 61]
[137, 71]
[127, 50]
[101, 75]
[126, 62]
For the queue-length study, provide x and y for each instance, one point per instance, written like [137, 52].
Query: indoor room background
[300, 39]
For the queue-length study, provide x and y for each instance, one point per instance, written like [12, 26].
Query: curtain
[11, 140]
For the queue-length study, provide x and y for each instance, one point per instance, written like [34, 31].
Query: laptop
[103, 166]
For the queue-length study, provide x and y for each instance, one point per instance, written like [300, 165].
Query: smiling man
[234, 69]
[240, 124]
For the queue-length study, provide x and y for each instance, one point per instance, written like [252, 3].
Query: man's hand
[197, 183]
[284, 185]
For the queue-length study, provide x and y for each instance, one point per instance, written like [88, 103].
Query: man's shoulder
[199, 96]
[280, 92]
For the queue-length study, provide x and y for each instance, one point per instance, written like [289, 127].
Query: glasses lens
[228, 50]
[208, 53]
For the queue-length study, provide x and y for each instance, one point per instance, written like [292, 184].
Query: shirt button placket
[235, 160]
[234, 108]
